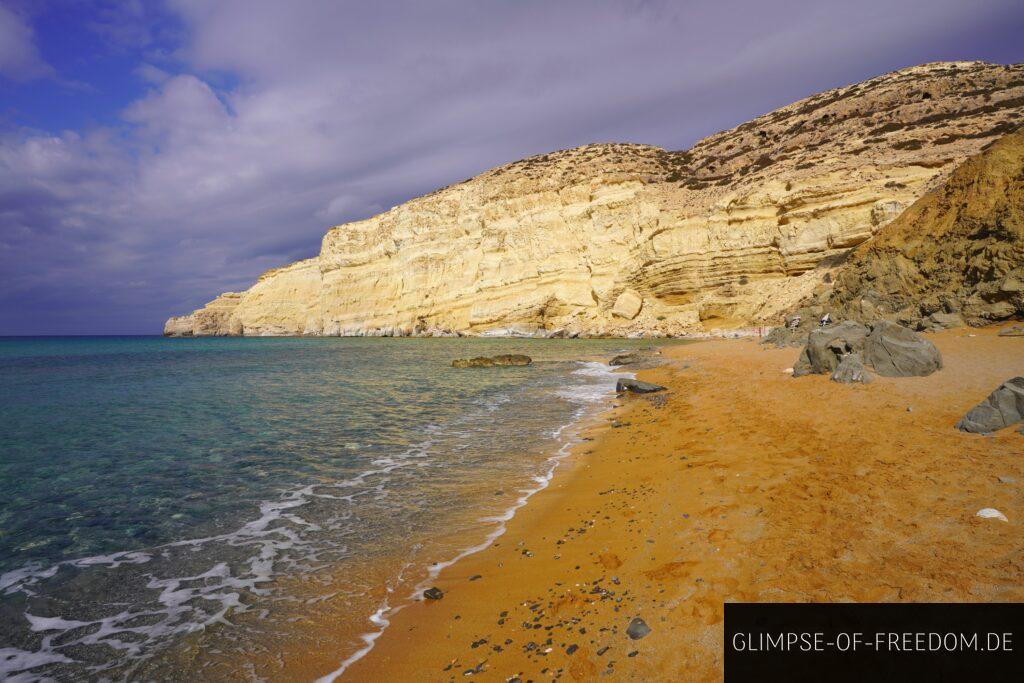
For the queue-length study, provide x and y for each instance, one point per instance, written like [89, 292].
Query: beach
[740, 483]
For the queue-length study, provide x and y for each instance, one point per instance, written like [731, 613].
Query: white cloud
[19, 58]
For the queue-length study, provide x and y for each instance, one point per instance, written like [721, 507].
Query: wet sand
[739, 484]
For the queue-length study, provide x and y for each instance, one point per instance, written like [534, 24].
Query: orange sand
[744, 484]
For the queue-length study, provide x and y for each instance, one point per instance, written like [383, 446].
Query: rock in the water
[512, 359]
[637, 629]
[991, 513]
[1014, 331]
[1002, 408]
[827, 346]
[628, 304]
[895, 351]
[624, 359]
[478, 362]
[637, 387]
[433, 594]
[851, 370]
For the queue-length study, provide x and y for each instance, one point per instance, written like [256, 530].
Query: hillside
[957, 250]
[625, 239]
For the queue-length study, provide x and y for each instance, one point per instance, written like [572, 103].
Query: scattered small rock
[638, 629]
[433, 593]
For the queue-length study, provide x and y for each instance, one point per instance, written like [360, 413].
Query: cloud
[19, 58]
[264, 122]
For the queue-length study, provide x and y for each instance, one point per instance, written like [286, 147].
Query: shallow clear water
[154, 488]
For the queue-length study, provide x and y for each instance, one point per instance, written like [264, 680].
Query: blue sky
[154, 154]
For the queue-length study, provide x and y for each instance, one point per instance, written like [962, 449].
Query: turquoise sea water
[153, 488]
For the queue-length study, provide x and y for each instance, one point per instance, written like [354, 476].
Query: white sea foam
[587, 394]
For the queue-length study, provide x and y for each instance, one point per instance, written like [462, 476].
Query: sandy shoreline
[743, 485]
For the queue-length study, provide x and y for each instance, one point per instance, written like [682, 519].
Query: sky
[156, 153]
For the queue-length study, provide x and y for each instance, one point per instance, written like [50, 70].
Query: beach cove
[741, 484]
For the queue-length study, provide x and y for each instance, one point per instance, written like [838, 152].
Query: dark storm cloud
[265, 122]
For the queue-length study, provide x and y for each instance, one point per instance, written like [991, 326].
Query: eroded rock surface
[1003, 408]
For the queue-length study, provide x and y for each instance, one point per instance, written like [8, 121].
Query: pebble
[638, 629]
[991, 513]
[1007, 480]
[433, 594]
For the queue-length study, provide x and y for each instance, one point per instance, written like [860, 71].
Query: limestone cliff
[959, 250]
[626, 239]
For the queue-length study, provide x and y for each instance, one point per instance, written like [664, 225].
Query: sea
[167, 505]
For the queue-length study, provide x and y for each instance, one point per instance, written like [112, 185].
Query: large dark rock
[512, 359]
[890, 349]
[1003, 407]
[851, 370]
[637, 387]
[433, 593]
[827, 346]
[894, 351]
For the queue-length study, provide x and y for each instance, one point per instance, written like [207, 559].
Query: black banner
[874, 642]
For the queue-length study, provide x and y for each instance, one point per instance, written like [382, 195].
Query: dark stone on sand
[433, 594]
[890, 349]
[851, 370]
[1014, 331]
[826, 346]
[638, 629]
[1003, 407]
[894, 351]
[512, 359]
[624, 359]
[572, 648]
[637, 387]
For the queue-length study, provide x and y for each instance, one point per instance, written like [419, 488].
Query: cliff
[957, 251]
[625, 239]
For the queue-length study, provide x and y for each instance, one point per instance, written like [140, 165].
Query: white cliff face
[621, 239]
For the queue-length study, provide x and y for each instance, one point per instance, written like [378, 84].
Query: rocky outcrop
[622, 239]
[889, 349]
[1003, 408]
[955, 256]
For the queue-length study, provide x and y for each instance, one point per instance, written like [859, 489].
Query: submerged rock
[624, 359]
[478, 362]
[1003, 407]
[637, 387]
[638, 629]
[851, 370]
[512, 359]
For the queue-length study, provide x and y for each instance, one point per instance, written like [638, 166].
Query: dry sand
[741, 484]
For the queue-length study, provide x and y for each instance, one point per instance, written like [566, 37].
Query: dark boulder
[1003, 407]
[512, 359]
[895, 351]
[827, 346]
[433, 594]
[637, 387]
[851, 370]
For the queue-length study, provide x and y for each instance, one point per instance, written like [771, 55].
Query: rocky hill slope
[626, 239]
[958, 251]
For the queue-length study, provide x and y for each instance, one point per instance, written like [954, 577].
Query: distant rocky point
[630, 240]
